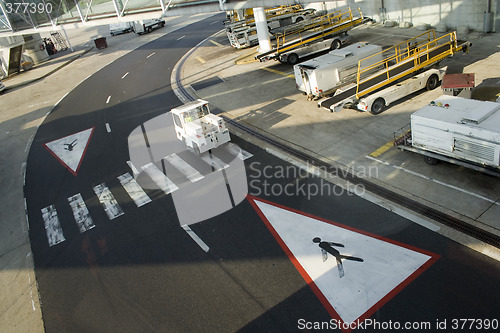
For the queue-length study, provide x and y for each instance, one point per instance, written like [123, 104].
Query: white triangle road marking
[70, 149]
[352, 272]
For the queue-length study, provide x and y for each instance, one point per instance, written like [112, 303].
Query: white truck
[198, 128]
[333, 43]
[120, 28]
[322, 75]
[146, 26]
[457, 130]
[242, 35]
[376, 102]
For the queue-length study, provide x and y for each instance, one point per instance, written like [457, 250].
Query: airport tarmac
[264, 97]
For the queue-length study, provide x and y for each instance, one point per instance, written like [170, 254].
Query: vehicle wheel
[299, 19]
[112, 34]
[293, 59]
[149, 29]
[432, 82]
[377, 106]
[162, 25]
[335, 45]
[430, 160]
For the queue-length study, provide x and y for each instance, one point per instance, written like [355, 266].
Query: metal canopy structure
[30, 16]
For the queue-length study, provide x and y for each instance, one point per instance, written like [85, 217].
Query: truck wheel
[431, 160]
[432, 82]
[292, 59]
[378, 106]
[335, 45]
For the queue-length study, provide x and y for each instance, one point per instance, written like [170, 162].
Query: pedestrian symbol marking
[328, 247]
[368, 269]
[70, 146]
[70, 149]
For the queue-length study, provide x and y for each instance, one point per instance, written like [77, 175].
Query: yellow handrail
[413, 49]
[318, 24]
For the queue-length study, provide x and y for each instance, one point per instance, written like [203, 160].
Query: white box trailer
[322, 75]
[120, 28]
[461, 129]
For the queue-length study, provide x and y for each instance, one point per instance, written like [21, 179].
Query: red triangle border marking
[83, 154]
[310, 282]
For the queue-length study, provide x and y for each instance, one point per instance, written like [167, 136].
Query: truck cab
[198, 128]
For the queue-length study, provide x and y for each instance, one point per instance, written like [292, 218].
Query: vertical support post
[66, 36]
[79, 10]
[262, 32]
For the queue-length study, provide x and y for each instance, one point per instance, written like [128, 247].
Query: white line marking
[107, 101]
[133, 168]
[108, 128]
[241, 153]
[124, 75]
[185, 168]
[163, 182]
[215, 162]
[149, 56]
[108, 201]
[81, 213]
[52, 225]
[26, 213]
[195, 237]
[435, 181]
[133, 189]
[59, 101]
[181, 37]
[214, 22]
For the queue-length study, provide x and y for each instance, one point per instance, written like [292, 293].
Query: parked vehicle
[198, 128]
[457, 130]
[294, 56]
[146, 26]
[322, 75]
[376, 102]
[120, 28]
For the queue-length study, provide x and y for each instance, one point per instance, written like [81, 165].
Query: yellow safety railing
[417, 50]
[318, 24]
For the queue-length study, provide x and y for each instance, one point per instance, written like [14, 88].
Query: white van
[120, 28]
[145, 26]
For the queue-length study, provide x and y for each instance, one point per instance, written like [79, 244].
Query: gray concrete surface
[264, 96]
[29, 97]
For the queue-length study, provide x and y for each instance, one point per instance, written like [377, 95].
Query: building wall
[453, 13]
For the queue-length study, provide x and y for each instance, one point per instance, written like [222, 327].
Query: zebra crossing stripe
[133, 168]
[133, 189]
[214, 162]
[185, 168]
[81, 213]
[108, 201]
[52, 225]
[163, 182]
[241, 153]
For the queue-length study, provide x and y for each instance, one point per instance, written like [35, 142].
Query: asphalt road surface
[298, 254]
